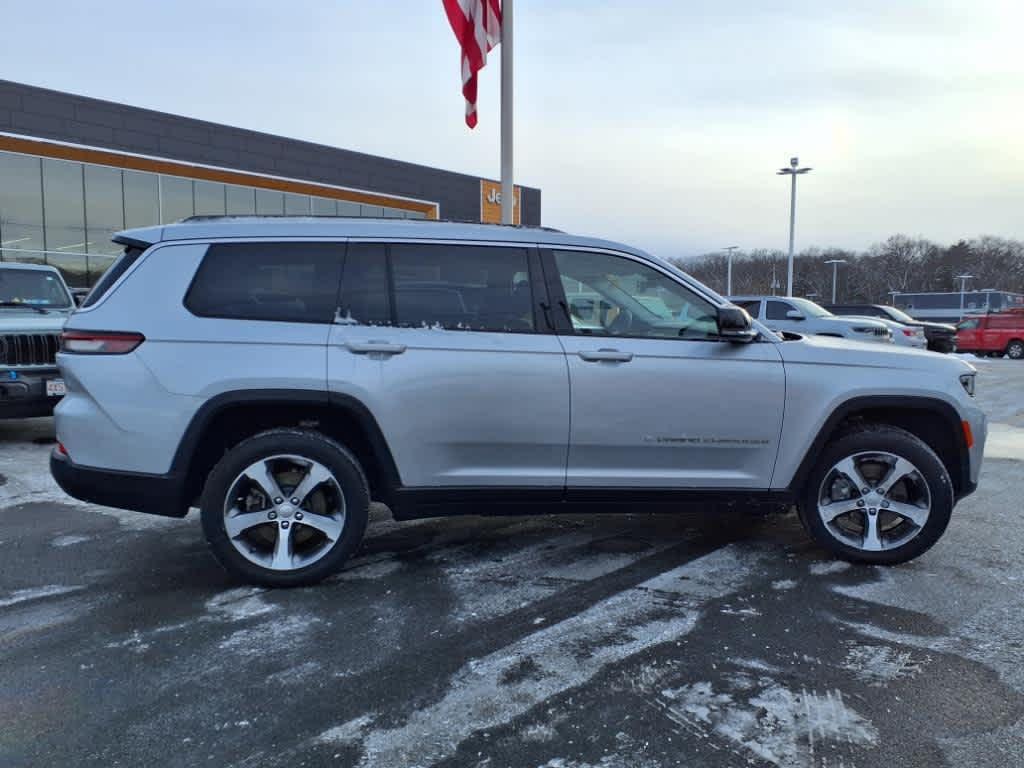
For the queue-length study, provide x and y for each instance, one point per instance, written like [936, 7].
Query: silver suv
[34, 303]
[784, 313]
[281, 373]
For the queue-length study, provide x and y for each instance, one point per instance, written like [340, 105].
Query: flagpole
[507, 187]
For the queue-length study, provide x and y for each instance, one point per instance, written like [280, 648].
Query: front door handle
[605, 356]
[374, 347]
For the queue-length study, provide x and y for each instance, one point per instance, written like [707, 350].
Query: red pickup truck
[995, 334]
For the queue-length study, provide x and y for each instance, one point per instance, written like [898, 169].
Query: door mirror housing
[794, 314]
[734, 324]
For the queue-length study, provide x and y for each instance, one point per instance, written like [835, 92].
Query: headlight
[967, 380]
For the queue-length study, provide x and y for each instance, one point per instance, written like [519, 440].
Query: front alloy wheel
[878, 494]
[874, 501]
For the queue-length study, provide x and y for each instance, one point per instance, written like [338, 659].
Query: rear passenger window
[284, 282]
[463, 287]
[752, 307]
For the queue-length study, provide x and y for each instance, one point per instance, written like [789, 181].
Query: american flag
[477, 27]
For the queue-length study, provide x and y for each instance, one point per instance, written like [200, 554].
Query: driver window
[613, 296]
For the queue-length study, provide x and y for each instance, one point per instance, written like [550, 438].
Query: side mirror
[734, 324]
[795, 314]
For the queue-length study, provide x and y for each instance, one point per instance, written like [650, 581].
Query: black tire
[1015, 350]
[888, 439]
[305, 443]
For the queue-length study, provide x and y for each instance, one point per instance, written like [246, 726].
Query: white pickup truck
[34, 304]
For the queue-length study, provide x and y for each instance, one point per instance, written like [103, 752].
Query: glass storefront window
[372, 210]
[240, 200]
[175, 199]
[141, 199]
[63, 206]
[346, 208]
[209, 198]
[21, 207]
[324, 206]
[296, 205]
[104, 210]
[269, 203]
[394, 213]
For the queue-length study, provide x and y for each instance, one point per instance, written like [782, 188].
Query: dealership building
[74, 170]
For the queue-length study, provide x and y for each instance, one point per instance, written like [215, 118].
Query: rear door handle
[605, 356]
[371, 347]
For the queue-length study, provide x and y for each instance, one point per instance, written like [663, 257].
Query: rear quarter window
[278, 282]
[128, 257]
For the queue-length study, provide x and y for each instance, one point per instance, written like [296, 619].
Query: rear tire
[1015, 350]
[878, 494]
[285, 508]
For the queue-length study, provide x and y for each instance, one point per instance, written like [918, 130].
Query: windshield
[809, 308]
[899, 315]
[36, 288]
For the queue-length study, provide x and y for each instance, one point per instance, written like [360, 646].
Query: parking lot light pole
[835, 274]
[963, 282]
[728, 270]
[793, 171]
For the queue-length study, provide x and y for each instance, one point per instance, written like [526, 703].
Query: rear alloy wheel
[1015, 349]
[285, 508]
[878, 495]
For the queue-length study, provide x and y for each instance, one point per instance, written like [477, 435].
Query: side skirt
[416, 503]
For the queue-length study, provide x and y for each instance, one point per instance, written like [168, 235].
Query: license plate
[56, 388]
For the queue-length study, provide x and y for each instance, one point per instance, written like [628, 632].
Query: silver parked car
[786, 313]
[291, 370]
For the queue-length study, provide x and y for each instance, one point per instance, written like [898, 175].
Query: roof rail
[258, 217]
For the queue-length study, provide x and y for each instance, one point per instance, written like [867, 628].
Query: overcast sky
[658, 123]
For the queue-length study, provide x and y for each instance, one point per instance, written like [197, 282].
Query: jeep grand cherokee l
[292, 370]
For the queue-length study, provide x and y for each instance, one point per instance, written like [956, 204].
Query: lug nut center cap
[285, 510]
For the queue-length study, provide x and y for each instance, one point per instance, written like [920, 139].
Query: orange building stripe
[187, 170]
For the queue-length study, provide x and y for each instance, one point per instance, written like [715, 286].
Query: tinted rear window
[465, 287]
[118, 268]
[282, 282]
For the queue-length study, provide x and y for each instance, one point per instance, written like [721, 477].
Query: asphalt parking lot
[617, 641]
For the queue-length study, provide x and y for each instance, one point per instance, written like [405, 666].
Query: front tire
[1015, 350]
[878, 494]
[285, 508]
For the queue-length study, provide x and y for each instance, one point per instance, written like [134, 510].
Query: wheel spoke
[283, 550]
[316, 475]
[237, 522]
[872, 539]
[849, 468]
[900, 469]
[330, 527]
[829, 512]
[260, 474]
[915, 514]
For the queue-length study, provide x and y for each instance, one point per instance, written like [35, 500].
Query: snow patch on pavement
[879, 665]
[1004, 442]
[777, 725]
[346, 733]
[270, 635]
[783, 584]
[36, 593]
[828, 567]
[239, 604]
[69, 541]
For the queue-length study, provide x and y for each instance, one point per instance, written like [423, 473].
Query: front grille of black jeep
[18, 349]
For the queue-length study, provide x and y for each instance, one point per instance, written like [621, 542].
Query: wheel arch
[933, 421]
[228, 418]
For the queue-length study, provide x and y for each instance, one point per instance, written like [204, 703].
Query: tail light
[99, 342]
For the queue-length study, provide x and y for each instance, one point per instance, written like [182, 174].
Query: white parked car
[902, 335]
